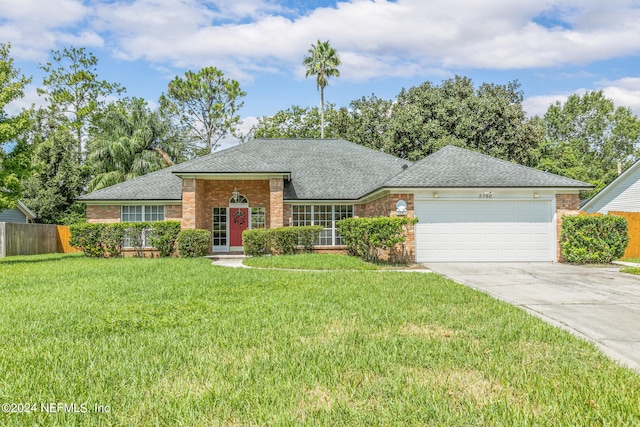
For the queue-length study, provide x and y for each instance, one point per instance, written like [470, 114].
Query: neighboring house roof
[335, 169]
[455, 167]
[159, 185]
[20, 213]
[26, 211]
[622, 194]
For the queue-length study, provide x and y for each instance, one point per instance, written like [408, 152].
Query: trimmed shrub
[256, 242]
[593, 239]
[367, 238]
[112, 238]
[308, 235]
[163, 236]
[88, 238]
[193, 243]
[134, 236]
[285, 240]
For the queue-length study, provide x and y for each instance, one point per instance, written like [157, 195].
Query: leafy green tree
[73, 90]
[589, 138]
[207, 104]
[322, 62]
[12, 154]
[489, 119]
[58, 179]
[128, 139]
[366, 121]
[298, 122]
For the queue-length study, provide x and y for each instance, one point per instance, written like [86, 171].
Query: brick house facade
[300, 182]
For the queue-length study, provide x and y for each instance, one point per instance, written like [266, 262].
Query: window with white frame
[219, 226]
[324, 215]
[258, 218]
[140, 214]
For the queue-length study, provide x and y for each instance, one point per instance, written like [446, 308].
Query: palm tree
[129, 140]
[322, 62]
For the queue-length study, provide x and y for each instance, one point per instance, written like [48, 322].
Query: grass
[631, 270]
[311, 262]
[179, 342]
[636, 260]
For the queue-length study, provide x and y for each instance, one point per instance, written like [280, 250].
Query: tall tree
[296, 122]
[367, 121]
[207, 103]
[73, 90]
[322, 62]
[589, 138]
[58, 178]
[489, 119]
[128, 140]
[12, 166]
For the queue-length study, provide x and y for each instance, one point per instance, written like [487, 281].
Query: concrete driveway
[601, 305]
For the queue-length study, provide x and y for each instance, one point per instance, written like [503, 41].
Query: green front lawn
[179, 342]
[311, 262]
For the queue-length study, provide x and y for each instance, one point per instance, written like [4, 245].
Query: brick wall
[566, 204]
[386, 206]
[103, 213]
[276, 219]
[173, 212]
[188, 203]
[216, 194]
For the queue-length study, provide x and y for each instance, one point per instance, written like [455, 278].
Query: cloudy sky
[553, 47]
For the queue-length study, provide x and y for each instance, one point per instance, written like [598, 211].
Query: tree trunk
[321, 112]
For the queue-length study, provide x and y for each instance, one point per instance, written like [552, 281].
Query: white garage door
[485, 230]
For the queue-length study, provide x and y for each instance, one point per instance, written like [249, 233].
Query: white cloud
[376, 38]
[624, 92]
[31, 98]
[33, 27]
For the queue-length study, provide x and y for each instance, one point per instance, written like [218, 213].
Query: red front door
[238, 222]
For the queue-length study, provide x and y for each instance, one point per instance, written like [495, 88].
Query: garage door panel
[485, 230]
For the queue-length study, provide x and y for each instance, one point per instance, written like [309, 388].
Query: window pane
[219, 227]
[258, 218]
[341, 212]
[154, 213]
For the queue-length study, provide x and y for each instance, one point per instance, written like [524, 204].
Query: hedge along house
[471, 207]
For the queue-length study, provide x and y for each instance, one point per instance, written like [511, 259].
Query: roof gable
[622, 194]
[319, 169]
[452, 167]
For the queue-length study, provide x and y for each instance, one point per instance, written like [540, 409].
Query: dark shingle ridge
[453, 167]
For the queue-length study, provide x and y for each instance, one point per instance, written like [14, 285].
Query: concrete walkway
[601, 305]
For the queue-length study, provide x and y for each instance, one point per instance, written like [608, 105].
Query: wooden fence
[633, 221]
[33, 239]
[64, 234]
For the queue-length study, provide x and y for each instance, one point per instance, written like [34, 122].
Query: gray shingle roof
[335, 169]
[457, 167]
[160, 185]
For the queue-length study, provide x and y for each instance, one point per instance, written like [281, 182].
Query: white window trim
[144, 214]
[333, 230]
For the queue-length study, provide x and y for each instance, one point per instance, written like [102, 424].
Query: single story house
[470, 206]
[19, 214]
[622, 194]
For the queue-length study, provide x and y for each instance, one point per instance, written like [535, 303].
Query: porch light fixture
[235, 195]
[401, 208]
[435, 195]
[536, 195]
